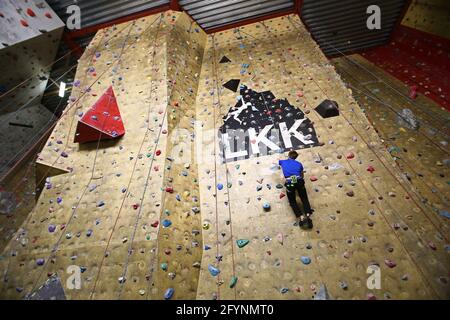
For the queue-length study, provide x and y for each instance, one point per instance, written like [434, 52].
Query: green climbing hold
[229, 185]
[233, 281]
[242, 242]
[164, 266]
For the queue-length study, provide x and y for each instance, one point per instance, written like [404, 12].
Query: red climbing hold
[350, 155]
[370, 169]
[24, 23]
[135, 206]
[31, 12]
[158, 152]
[282, 195]
[48, 15]
[169, 189]
[155, 224]
[101, 121]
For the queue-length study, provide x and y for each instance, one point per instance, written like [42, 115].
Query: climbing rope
[378, 157]
[74, 210]
[361, 180]
[134, 167]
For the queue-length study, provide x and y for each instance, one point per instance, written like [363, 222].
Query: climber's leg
[303, 196]
[290, 192]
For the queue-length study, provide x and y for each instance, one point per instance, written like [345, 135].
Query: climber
[293, 173]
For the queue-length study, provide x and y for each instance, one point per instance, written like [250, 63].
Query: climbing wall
[432, 16]
[29, 38]
[421, 152]
[162, 213]
[21, 20]
[102, 203]
[364, 213]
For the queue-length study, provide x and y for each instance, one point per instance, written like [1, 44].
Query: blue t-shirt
[291, 167]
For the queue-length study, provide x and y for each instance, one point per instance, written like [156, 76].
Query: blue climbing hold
[207, 247]
[445, 214]
[305, 260]
[220, 186]
[166, 223]
[213, 270]
[266, 206]
[284, 290]
[169, 293]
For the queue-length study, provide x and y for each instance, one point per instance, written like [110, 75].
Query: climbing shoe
[301, 222]
[309, 223]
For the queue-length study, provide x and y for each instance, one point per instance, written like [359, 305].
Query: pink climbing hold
[350, 155]
[313, 178]
[371, 296]
[390, 263]
[280, 238]
[413, 92]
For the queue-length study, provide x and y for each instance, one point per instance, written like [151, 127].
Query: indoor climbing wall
[105, 202]
[432, 16]
[190, 203]
[420, 146]
[29, 34]
[180, 239]
[21, 20]
[19, 130]
[365, 215]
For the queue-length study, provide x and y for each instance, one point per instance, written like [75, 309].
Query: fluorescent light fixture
[62, 89]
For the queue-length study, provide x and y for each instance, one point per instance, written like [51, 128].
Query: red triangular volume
[101, 121]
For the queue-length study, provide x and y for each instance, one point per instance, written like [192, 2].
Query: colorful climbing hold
[306, 260]
[213, 270]
[169, 293]
[233, 281]
[242, 242]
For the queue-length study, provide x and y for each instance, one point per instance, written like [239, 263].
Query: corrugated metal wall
[100, 11]
[211, 14]
[337, 26]
[340, 26]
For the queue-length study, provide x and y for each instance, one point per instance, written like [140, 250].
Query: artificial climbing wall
[101, 207]
[29, 38]
[364, 214]
[153, 213]
[432, 16]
